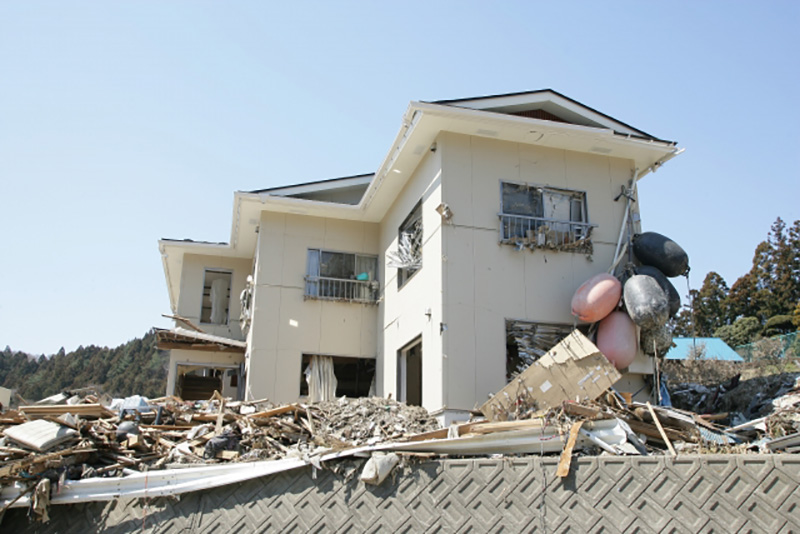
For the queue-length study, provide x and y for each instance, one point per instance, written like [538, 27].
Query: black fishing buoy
[662, 253]
[673, 298]
[645, 301]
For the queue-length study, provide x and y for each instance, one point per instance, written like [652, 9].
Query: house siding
[486, 283]
[285, 324]
[403, 310]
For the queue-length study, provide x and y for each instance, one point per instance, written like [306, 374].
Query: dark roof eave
[316, 182]
[194, 242]
[644, 135]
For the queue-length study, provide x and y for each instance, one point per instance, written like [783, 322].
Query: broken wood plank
[276, 411]
[167, 427]
[83, 410]
[486, 427]
[589, 412]
[185, 321]
[661, 429]
[574, 368]
[651, 431]
[566, 454]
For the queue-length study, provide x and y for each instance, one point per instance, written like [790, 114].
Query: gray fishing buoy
[645, 301]
[662, 253]
[673, 298]
[656, 340]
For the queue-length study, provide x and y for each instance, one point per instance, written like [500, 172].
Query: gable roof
[715, 349]
[558, 106]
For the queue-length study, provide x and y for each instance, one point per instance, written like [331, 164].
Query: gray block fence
[697, 493]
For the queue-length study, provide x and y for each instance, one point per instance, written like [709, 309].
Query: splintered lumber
[479, 428]
[566, 454]
[13, 467]
[276, 411]
[589, 412]
[661, 429]
[573, 369]
[83, 410]
[651, 431]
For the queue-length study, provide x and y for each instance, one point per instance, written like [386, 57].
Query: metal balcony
[322, 288]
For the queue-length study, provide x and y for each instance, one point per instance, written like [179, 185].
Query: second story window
[341, 276]
[544, 217]
[216, 296]
[408, 256]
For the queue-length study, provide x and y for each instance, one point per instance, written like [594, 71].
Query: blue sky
[125, 122]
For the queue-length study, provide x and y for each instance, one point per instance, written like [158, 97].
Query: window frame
[414, 216]
[215, 270]
[581, 228]
[313, 279]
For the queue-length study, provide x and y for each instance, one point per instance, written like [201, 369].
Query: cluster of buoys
[648, 296]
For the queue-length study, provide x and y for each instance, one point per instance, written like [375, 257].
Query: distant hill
[135, 367]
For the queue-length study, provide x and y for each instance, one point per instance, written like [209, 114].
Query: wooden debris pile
[573, 383]
[86, 439]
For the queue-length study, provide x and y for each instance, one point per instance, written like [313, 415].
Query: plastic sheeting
[321, 379]
[219, 301]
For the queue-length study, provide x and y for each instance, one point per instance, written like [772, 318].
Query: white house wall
[485, 282]
[285, 325]
[404, 312]
[191, 292]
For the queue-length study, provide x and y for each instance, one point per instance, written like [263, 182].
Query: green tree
[743, 331]
[710, 307]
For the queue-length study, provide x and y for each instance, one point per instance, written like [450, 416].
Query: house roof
[319, 185]
[713, 349]
[549, 100]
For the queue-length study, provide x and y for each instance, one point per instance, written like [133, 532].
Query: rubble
[80, 449]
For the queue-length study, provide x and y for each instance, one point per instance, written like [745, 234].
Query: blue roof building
[715, 349]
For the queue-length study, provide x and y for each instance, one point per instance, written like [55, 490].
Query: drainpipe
[636, 177]
[628, 195]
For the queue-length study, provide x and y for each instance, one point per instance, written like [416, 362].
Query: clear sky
[125, 122]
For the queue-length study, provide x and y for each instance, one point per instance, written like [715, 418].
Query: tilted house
[432, 280]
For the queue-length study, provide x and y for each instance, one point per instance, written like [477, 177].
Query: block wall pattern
[698, 493]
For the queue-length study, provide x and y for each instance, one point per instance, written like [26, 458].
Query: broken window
[341, 276]
[537, 216]
[528, 341]
[408, 256]
[352, 377]
[216, 296]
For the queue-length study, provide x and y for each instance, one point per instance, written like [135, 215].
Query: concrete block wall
[698, 493]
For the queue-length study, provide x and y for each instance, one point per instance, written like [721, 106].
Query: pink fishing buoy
[596, 298]
[616, 339]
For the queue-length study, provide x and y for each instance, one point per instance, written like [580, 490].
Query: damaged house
[433, 280]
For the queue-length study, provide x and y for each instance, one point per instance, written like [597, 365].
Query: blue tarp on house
[714, 349]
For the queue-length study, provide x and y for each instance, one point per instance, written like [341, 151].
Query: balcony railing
[322, 288]
[540, 232]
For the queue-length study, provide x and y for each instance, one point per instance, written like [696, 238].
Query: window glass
[521, 199]
[337, 265]
[408, 257]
